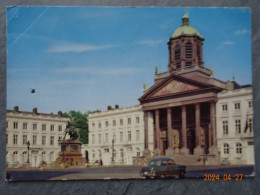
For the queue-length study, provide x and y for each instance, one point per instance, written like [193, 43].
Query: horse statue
[71, 130]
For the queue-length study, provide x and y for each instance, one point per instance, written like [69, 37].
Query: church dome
[186, 29]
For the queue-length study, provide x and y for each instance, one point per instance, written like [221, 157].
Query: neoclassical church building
[187, 114]
[183, 99]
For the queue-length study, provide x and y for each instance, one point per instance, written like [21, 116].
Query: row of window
[25, 156]
[236, 106]
[34, 126]
[226, 148]
[121, 122]
[121, 138]
[106, 150]
[248, 127]
[34, 141]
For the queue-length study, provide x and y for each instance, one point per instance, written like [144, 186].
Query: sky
[86, 58]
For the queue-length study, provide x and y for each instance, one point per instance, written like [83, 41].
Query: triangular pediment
[173, 87]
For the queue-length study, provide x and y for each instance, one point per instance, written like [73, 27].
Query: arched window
[43, 156]
[114, 153]
[52, 156]
[138, 152]
[15, 154]
[177, 55]
[226, 148]
[24, 157]
[239, 148]
[93, 154]
[122, 152]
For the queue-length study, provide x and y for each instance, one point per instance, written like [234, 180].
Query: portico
[183, 99]
[184, 123]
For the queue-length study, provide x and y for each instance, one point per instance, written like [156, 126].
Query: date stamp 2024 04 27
[226, 177]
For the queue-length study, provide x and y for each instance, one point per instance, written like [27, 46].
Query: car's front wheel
[162, 176]
[153, 172]
[181, 174]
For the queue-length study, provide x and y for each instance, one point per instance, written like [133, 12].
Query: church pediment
[174, 87]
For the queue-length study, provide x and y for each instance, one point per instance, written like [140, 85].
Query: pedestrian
[204, 160]
[41, 165]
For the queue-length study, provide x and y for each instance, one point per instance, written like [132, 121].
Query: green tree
[81, 121]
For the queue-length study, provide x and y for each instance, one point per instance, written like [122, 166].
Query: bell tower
[185, 47]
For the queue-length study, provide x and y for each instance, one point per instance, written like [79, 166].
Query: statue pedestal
[185, 151]
[170, 152]
[157, 152]
[213, 150]
[70, 155]
[198, 151]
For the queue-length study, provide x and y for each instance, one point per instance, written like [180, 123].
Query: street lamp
[113, 151]
[28, 147]
[63, 147]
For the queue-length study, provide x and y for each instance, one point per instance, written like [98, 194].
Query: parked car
[162, 168]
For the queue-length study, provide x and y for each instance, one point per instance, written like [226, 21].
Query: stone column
[198, 149]
[157, 151]
[184, 149]
[210, 134]
[213, 147]
[169, 151]
[169, 126]
[146, 151]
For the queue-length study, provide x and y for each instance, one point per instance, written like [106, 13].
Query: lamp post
[63, 146]
[113, 151]
[28, 147]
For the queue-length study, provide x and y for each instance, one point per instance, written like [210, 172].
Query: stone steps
[194, 160]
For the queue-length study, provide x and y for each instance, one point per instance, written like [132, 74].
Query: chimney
[16, 109]
[35, 111]
[109, 107]
[116, 106]
[60, 114]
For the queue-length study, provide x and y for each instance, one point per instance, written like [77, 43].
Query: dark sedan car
[162, 168]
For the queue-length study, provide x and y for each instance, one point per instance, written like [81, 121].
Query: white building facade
[43, 131]
[235, 134]
[117, 135]
[125, 126]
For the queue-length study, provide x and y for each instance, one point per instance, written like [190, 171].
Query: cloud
[243, 32]
[149, 42]
[77, 48]
[228, 43]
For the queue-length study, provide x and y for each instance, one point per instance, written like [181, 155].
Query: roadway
[119, 172]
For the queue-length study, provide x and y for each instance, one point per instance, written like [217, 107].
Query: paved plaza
[119, 172]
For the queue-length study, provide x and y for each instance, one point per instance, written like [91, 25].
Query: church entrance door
[191, 140]
[164, 146]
